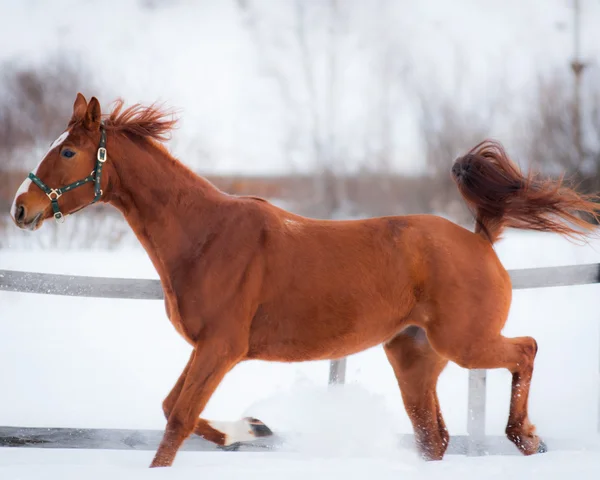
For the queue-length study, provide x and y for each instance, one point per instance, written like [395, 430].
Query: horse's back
[424, 252]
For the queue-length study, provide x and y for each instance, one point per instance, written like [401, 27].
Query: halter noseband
[55, 193]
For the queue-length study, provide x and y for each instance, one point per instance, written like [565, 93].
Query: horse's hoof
[246, 430]
[259, 429]
[542, 447]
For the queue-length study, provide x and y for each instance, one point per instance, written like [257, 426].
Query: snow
[78, 362]
[101, 465]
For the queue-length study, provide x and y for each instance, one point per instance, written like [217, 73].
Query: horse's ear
[79, 108]
[93, 115]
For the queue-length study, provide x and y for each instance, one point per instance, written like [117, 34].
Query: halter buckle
[54, 192]
[101, 154]
[59, 217]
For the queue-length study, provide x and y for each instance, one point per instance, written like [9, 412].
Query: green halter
[55, 193]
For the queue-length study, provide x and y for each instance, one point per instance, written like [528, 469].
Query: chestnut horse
[244, 279]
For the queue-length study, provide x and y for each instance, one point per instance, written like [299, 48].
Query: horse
[244, 279]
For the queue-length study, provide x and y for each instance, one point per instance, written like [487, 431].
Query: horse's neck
[164, 203]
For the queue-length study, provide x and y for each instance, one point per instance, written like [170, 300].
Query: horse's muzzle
[22, 221]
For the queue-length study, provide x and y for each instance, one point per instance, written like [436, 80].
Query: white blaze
[58, 141]
[25, 185]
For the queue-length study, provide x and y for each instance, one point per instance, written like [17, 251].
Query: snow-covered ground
[117, 465]
[75, 362]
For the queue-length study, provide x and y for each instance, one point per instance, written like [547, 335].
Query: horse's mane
[152, 122]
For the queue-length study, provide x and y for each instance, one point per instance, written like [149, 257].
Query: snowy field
[118, 465]
[73, 362]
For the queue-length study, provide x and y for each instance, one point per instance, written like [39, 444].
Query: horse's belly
[297, 341]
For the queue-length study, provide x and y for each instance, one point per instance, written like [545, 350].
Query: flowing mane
[151, 122]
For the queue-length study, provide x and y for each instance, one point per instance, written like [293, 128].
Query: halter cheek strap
[55, 193]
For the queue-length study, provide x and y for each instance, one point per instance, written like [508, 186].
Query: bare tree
[551, 141]
[307, 51]
[548, 136]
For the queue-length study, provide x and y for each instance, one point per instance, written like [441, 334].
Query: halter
[55, 193]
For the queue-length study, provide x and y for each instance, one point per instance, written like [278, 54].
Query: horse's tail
[493, 186]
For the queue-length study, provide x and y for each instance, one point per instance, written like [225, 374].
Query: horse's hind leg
[417, 367]
[519, 429]
[486, 352]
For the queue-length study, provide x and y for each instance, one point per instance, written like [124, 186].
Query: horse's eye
[68, 153]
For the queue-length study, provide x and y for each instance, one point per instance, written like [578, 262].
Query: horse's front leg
[173, 395]
[209, 363]
[223, 434]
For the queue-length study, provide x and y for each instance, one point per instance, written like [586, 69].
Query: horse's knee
[177, 419]
[181, 422]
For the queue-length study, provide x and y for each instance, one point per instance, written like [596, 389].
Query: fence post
[476, 418]
[337, 371]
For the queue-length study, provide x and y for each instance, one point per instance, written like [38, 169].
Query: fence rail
[145, 289]
[475, 443]
[123, 439]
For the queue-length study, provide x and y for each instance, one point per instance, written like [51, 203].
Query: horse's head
[68, 177]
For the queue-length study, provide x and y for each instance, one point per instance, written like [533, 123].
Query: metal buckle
[101, 154]
[51, 192]
[59, 217]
